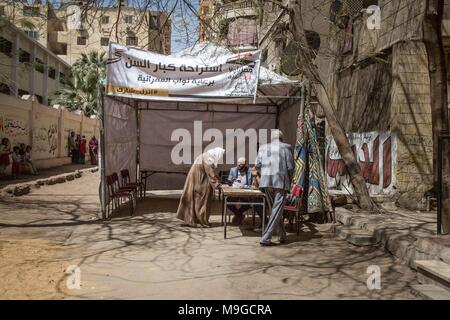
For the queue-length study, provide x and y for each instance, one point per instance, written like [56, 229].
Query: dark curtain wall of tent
[287, 122]
[120, 137]
[157, 127]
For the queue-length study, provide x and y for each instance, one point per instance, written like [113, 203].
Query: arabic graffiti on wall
[376, 156]
[14, 128]
[45, 141]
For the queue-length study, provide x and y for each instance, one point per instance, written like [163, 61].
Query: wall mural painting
[52, 138]
[46, 140]
[376, 156]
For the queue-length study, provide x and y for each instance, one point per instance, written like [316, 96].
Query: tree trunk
[432, 37]
[310, 70]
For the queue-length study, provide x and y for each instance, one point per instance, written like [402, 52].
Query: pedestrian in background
[82, 149]
[16, 160]
[72, 147]
[22, 151]
[77, 148]
[93, 150]
[5, 151]
[27, 161]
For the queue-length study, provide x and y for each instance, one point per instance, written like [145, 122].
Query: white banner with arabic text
[135, 73]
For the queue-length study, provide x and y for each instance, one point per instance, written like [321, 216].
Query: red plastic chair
[295, 209]
[137, 186]
[116, 193]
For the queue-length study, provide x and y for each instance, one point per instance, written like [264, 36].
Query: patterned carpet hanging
[309, 174]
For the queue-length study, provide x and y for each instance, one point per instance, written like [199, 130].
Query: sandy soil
[35, 273]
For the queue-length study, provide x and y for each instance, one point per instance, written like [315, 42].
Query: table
[241, 193]
[144, 174]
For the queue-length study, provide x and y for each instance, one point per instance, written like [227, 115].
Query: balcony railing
[237, 5]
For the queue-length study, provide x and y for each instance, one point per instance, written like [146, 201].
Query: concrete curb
[397, 238]
[21, 189]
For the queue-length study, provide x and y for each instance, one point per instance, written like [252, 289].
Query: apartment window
[39, 65]
[154, 22]
[6, 47]
[313, 39]
[30, 11]
[32, 34]
[129, 19]
[204, 11]
[368, 3]
[241, 31]
[52, 72]
[104, 42]
[4, 88]
[21, 92]
[39, 98]
[265, 53]
[24, 56]
[81, 41]
[105, 19]
[2, 10]
[132, 41]
[62, 78]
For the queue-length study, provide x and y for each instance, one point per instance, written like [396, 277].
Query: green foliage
[82, 94]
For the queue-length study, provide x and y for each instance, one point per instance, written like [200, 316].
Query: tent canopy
[140, 134]
[272, 88]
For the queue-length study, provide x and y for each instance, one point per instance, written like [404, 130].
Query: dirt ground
[30, 270]
[33, 231]
[152, 256]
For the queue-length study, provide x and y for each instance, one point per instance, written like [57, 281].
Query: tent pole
[101, 96]
[302, 100]
[138, 151]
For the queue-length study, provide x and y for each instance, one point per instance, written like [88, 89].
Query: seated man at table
[240, 177]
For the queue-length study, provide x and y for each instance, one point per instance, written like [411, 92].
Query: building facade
[382, 93]
[73, 29]
[27, 67]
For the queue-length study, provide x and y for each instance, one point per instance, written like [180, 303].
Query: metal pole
[439, 172]
[101, 95]
[138, 147]
[439, 190]
[302, 100]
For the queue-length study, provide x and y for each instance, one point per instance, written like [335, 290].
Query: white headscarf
[214, 155]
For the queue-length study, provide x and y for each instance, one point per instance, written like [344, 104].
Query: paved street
[150, 256]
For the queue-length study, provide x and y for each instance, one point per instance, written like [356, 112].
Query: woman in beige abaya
[195, 202]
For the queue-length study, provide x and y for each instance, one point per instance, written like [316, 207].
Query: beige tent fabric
[195, 202]
[120, 137]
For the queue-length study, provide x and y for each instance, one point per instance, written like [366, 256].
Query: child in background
[22, 151]
[16, 159]
[28, 162]
[5, 150]
[83, 144]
